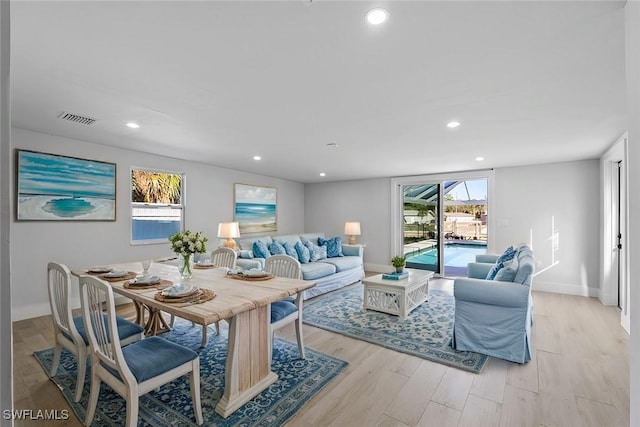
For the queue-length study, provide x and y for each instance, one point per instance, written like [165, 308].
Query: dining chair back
[136, 369]
[287, 310]
[69, 331]
[224, 257]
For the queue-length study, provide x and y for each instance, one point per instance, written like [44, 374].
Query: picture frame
[255, 208]
[53, 187]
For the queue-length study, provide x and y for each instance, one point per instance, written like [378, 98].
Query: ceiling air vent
[75, 118]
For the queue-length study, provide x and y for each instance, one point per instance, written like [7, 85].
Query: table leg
[156, 323]
[247, 370]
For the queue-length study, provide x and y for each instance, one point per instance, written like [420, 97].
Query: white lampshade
[228, 230]
[352, 229]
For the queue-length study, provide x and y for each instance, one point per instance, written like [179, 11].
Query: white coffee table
[398, 297]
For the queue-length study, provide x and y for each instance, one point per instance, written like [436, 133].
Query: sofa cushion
[311, 237]
[246, 243]
[245, 254]
[303, 253]
[334, 246]
[260, 249]
[508, 254]
[290, 238]
[276, 248]
[290, 250]
[344, 263]
[316, 253]
[316, 270]
[508, 272]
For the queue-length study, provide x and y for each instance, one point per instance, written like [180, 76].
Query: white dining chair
[136, 369]
[69, 331]
[289, 309]
[224, 257]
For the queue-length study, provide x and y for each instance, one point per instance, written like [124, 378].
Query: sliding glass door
[421, 226]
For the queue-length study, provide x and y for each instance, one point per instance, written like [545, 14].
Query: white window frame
[136, 205]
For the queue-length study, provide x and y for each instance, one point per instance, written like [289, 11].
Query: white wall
[209, 200]
[632, 46]
[525, 199]
[329, 205]
[555, 203]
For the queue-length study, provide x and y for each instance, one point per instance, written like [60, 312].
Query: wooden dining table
[245, 304]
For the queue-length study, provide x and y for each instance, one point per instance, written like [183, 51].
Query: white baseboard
[564, 288]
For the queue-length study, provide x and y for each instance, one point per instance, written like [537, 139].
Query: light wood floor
[579, 376]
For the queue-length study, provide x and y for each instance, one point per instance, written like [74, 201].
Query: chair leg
[299, 336]
[194, 381]
[82, 370]
[172, 321]
[93, 399]
[56, 360]
[132, 411]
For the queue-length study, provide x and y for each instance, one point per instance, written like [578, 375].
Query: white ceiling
[220, 82]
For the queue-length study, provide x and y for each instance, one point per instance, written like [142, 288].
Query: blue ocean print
[54, 187]
[255, 217]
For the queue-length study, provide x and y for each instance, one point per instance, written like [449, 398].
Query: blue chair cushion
[281, 309]
[126, 328]
[303, 253]
[334, 246]
[154, 356]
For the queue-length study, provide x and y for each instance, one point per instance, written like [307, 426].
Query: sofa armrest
[505, 294]
[352, 250]
[488, 258]
[478, 270]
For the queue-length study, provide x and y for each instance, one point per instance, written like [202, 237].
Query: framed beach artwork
[255, 208]
[51, 187]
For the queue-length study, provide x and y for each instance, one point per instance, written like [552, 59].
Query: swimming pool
[455, 255]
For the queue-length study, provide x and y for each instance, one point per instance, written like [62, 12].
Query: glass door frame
[397, 201]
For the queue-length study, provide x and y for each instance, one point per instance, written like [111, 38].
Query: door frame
[608, 293]
[396, 205]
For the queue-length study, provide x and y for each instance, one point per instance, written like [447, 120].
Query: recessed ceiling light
[453, 124]
[323, 174]
[257, 158]
[479, 159]
[133, 125]
[377, 16]
[332, 145]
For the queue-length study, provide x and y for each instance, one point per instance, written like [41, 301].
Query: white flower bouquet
[185, 244]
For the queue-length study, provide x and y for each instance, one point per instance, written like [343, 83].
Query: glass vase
[185, 266]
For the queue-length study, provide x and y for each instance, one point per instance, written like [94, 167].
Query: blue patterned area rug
[298, 381]
[426, 332]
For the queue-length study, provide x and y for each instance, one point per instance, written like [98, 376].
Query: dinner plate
[204, 264]
[145, 280]
[179, 290]
[255, 273]
[115, 274]
[100, 269]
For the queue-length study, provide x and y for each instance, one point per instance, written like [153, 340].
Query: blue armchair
[494, 317]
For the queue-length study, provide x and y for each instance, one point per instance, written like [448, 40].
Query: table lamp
[229, 231]
[352, 229]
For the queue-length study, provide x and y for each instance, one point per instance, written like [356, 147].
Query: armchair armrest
[505, 294]
[478, 270]
[352, 250]
[488, 258]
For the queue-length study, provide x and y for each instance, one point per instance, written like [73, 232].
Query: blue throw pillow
[290, 250]
[316, 253]
[303, 253]
[260, 249]
[507, 255]
[246, 254]
[276, 249]
[334, 246]
[508, 272]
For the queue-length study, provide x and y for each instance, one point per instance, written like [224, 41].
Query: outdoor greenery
[155, 187]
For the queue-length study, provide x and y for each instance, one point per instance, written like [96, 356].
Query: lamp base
[352, 240]
[230, 243]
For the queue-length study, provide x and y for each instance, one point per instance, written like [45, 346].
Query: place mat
[131, 275]
[158, 285]
[199, 296]
[249, 278]
[203, 267]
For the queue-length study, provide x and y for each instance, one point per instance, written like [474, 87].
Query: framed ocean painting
[51, 187]
[255, 208]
